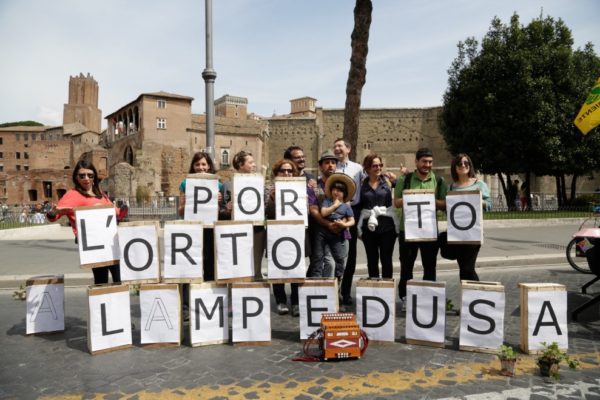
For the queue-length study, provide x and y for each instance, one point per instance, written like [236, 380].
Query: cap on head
[327, 155]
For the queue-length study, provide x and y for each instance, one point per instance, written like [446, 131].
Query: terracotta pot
[507, 367]
[548, 368]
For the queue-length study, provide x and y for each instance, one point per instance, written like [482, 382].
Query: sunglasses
[463, 164]
[377, 165]
[285, 171]
[83, 176]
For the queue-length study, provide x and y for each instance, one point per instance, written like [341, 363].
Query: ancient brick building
[152, 139]
[36, 161]
[393, 133]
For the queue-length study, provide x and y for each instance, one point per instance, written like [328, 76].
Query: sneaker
[403, 304]
[282, 309]
[295, 310]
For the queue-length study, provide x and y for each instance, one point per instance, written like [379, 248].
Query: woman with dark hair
[463, 175]
[202, 163]
[377, 223]
[286, 169]
[243, 163]
[85, 193]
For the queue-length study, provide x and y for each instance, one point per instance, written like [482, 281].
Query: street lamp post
[209, 75]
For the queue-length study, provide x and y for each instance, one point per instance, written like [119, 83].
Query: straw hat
[345, 179]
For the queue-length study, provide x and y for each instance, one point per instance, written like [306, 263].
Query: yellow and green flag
[589, 115]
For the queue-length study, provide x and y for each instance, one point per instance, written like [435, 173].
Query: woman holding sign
[464, 178]
[86, 192]
[202, 163]
[377, 225]
[282, 168]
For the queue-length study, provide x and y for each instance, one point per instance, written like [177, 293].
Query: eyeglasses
[463, 164]
[377, 165]
[83, 176]
[285, 171]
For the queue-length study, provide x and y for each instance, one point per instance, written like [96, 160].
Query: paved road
[59, 366]
[39, 252]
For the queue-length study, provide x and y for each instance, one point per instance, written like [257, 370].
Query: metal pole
[209, 75]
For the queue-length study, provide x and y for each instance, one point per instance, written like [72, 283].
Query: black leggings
[101, 274]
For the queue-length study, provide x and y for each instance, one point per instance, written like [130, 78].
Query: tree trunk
[527, 183]
[358, 72]
[558, 189]
[573, 189]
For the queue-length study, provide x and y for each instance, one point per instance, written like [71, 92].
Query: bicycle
[574, 255]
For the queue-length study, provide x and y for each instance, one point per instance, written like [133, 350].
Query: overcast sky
[269, 51]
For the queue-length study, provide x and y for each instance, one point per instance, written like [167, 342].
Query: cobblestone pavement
[59, 365]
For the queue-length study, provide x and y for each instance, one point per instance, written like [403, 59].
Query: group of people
[347, 201]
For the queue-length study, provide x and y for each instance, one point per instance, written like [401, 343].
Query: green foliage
[20, 293]
[511, 102]
[506, 353]
[20, 123]
[553, 355]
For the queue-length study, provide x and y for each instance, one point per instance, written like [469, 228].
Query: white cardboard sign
[425, 313]
[139, 253]
[234, 250]
[465, 215]
[183, 245]
[160, 314]
[547, 319]
[420, 222]
[291, 201]
[314, 300]
[209, 314]
[251, 320]
[248, 198]
[97, 235]
[376, 312]
[109, 319]
[482, 318]
[202, 198]
[285, 250]
[45, 308]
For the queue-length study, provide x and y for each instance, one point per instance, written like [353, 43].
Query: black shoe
[347, 301]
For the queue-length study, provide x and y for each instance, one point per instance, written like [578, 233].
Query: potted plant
[508, 359]
[550, 358]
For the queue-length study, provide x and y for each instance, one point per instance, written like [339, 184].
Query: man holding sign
[421, 178]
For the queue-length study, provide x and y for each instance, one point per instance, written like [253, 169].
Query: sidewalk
[59, 365]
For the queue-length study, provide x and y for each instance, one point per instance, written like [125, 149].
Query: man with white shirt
[341, 149]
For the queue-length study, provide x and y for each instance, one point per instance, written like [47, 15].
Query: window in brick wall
[161, 103]
[18, 155]
[161, 123]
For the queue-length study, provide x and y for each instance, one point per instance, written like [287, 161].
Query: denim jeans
[339, 250]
